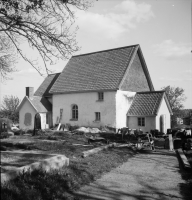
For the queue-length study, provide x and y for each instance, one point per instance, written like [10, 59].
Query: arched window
[75, 112]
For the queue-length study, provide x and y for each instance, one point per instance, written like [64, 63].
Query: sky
[162, 28]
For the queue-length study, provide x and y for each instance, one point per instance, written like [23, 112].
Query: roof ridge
[106, 50]
[54, 73]
[148, 92]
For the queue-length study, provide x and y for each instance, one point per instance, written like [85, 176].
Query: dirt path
[147, 176]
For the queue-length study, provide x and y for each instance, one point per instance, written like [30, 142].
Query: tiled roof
[146, 103]
[44, 88]
[40, 104]
[103, 70]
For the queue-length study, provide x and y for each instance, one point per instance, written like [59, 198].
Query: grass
[61, 184]
[57, 185]
[56, 143]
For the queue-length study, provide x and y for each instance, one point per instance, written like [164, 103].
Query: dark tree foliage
[8, 108]
[47, 26]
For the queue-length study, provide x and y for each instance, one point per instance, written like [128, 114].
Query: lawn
[61, 184]
[51, 143]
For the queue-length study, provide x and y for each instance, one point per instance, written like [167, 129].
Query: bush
[72, 128]
[40, 132]
[29, 131]
[22, 146]
[4, 135]
[3, 148]
[52, 138]
[19, 132]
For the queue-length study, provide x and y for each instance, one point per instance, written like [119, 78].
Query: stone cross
[4, 126]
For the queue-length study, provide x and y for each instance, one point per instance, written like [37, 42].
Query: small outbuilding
[30, 106]
[149, 111]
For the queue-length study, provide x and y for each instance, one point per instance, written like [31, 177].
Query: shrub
[19, 132]
[71, 128]
[4, 135]
[22, 146]
[29, 131]
[3, 148]
[52, 138]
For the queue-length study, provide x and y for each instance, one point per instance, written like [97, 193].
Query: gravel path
[147, 176]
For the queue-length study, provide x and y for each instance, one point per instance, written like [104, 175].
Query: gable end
[135, 79]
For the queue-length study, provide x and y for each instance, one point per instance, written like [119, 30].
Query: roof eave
[23, 101]
[168, 104]
[32, 104]
[86, 91]
[128, 66]
[141, 115]
[21, 104]
[145, 69]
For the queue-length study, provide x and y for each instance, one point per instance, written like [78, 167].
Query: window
[100, 96]
[97, 116]
[75, 112]
[141, 121]
[28, 119]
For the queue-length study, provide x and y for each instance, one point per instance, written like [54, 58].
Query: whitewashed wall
[123, 103]
[163, 110]
[87, 104]
[43, 121]
[149, 123]
[26, 108]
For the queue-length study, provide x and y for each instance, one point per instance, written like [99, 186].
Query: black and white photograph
[96, 99]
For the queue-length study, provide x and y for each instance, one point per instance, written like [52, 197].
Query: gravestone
[5, 125]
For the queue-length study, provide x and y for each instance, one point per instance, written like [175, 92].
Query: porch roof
[147, 103]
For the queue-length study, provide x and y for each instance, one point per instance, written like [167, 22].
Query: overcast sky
[161, 27]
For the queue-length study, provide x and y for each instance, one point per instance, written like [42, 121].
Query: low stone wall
[56, 162]
[96, 150]
[183, 159]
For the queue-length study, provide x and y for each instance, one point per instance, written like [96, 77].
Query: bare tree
[176, 97]
[46, 25]
[7, 58]
[8, 108]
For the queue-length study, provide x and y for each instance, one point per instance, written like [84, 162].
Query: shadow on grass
[18, 146]
[99, 192]
[186, 175]
[144, 190]
[62, 184]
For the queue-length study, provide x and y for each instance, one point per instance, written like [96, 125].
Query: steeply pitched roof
[147, 103]
[103, 70]
[46, 85]
[40, 104]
